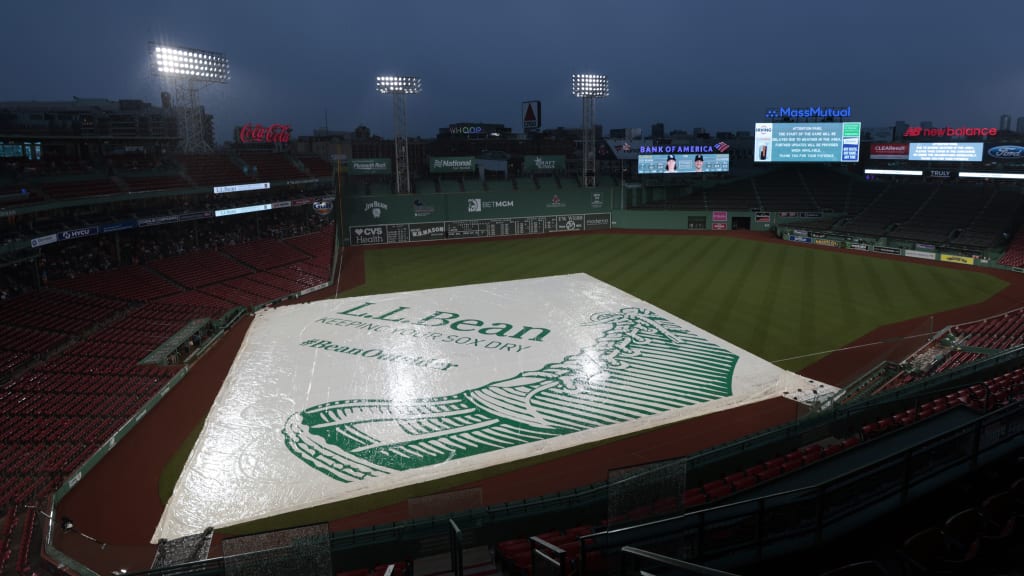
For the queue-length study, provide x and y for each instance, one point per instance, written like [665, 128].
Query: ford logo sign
[1008, 151]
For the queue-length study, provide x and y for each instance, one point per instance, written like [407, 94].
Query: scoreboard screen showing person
[807, 142]
[681, 163]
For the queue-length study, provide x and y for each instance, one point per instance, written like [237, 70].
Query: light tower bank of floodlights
[589, 87]
[189, 70]
[399, 86]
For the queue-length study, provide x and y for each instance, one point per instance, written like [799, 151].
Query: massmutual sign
[451, 164]
[782, 112]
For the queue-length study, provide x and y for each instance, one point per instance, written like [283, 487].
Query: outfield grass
[774, 300]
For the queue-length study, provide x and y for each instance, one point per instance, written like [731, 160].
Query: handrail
[690, 568]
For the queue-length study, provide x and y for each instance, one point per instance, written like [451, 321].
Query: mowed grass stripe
[690, 299]
[875, 286]
[731, 308]
[679, 257]
[767, 330]
[842, 295]
[808, 310]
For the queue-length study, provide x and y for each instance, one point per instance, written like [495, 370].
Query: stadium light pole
[589, 87]
[189, 70]
[398, 87]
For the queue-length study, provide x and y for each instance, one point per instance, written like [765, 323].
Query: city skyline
[313, 64]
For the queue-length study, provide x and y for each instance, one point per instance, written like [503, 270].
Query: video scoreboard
[807, 142]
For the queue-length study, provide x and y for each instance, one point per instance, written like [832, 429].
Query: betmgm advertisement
[682, 163]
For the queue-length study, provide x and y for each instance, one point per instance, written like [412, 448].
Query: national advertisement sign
[369, 166]
[451, 164]
[719, 216]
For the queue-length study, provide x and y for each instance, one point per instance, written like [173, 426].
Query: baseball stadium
[507, 350]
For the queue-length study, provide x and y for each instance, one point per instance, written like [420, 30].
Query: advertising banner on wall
[533, 164]
[890, 151]
[957, 259]
[369, 166]
[451, 164]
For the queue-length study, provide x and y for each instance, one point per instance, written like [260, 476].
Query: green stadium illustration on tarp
[340, 399]
[642, 364]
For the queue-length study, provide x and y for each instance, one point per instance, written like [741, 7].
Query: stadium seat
[717, 492]
[925, 553]
[769, 472]
[694, 497]
[851, 442]
[755, 469]
[744, 483]
[1001, 516]
[963, 532]
[732, 478]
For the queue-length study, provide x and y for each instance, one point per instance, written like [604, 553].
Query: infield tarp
[332, 400]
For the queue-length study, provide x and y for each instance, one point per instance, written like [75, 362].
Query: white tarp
[337, 399]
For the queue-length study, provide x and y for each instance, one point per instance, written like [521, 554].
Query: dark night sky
[715, 65]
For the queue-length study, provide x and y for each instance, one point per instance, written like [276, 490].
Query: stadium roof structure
[339, 399]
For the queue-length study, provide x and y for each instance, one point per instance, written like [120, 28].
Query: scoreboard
[807, 142]
[482, 228]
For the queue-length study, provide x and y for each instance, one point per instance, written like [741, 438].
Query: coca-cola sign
[258, 134]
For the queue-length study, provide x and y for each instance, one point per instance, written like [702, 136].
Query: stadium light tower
[589, 87]
[399, 86]
[189, 70]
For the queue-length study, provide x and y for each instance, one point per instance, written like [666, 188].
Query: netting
[304, 551]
